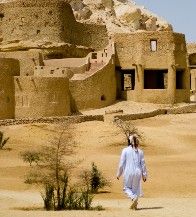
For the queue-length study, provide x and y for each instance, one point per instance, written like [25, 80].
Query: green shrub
[93, 179]
[52, 174]
[30, 157]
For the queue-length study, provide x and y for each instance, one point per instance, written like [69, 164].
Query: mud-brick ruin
[52, 65]
[192, 64]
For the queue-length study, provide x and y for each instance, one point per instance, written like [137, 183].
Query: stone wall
[190, 108]
[48, 20]
[7, 101]
[128, 117]
[96, 91]
[41, 97]
[52, 120]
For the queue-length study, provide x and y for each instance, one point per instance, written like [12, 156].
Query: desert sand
[169, 147]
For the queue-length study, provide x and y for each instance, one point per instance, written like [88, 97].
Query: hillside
[118, 15]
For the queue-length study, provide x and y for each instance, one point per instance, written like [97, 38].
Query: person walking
[132, 166]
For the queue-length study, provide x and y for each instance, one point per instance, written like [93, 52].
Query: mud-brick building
[192, 66]
[152, 67]
[52, 65]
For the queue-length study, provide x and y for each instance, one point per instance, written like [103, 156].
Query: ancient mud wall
[71, 51]
[90, 35]
[27, 60]
[193, 79]
[9, 67]
[48, 20]
[52, 71]
[135, 51]
[41, 97]
[54, 21]
[135, 48]
[1, 19]
[96, 91]
[7, 101]
[191, 48]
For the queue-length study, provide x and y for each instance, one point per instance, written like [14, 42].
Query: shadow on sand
[147, 208]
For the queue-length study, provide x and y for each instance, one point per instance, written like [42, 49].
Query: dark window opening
[38, 31]
[94, 56]
[103, 98]
[128, 79]
[180, 79]
[155, 79]
[153, 45]
[51, 71]
[1, 16]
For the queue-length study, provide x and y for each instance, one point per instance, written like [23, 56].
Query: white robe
[132, 166]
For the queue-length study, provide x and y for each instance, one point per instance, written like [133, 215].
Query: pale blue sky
[180, 13]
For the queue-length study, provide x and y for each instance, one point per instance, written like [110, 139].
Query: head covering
[131, 139]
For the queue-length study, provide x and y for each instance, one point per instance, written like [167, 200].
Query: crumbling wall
[26, 59]
[191, 48]
[41, 97]
[96, 91]
[7, 101]
[180, 50]
[90, 35]
[135, 48]
[70, 51]
[1, 20]
[9, 67]
[47, 20]
[51, 71]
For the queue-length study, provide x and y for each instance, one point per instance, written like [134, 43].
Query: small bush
[94, 180]
[128, 129]
[30, 157]
[2, 140]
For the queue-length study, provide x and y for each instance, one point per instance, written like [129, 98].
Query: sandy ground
[170, 152]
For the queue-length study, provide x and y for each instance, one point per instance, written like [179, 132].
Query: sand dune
[170, 150]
